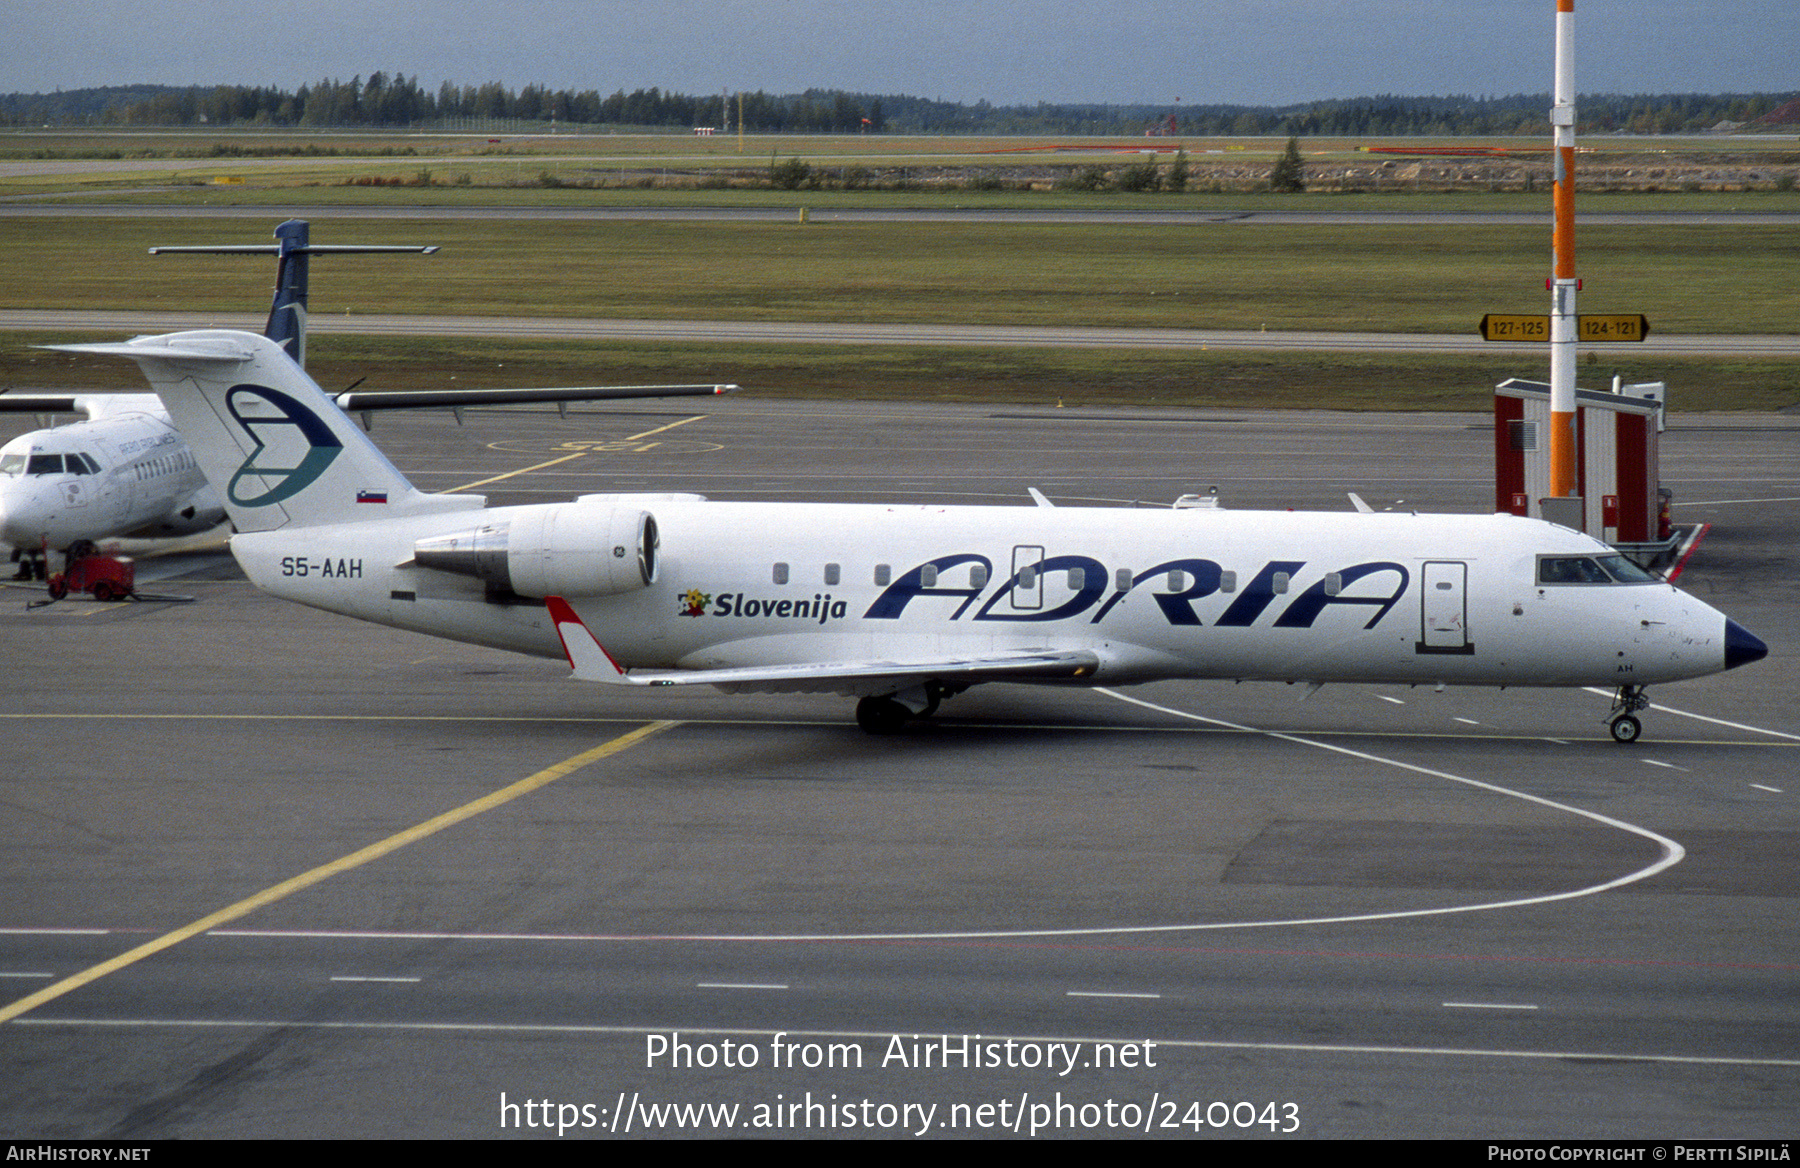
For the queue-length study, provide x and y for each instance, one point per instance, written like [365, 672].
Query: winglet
[586, 657]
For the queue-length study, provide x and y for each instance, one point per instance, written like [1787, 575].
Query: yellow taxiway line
[356, 859]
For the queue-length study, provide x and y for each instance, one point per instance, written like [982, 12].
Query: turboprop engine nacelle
[561, 549]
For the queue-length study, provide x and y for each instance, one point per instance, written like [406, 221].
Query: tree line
[397, 101]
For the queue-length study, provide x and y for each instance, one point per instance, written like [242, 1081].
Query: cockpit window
[1626, 572]
[1613, 569]
[45, 464]
[12, 464]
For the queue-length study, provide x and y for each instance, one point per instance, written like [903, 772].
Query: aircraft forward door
[1028, 578]
[1444, 608]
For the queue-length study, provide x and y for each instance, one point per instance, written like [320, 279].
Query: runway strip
[37, 205]
[846, 333]
[325, 871]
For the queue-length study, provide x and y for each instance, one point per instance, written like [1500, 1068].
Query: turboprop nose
[1742, 646]
[8, 513]
[27, 513]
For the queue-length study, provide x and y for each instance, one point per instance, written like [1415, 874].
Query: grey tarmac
[1033, 867]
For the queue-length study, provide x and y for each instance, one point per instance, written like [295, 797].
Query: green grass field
[1352, 278]
[1072, 378]
[1365, 277]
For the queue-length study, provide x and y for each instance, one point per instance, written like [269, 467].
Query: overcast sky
[1258, 52]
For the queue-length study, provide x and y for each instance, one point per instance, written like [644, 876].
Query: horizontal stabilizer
[309, 249]
[175, 347]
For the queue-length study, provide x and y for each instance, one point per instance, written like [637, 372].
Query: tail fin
[267, 437]
[287, 312]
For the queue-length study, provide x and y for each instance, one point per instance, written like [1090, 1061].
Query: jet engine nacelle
[561, 549]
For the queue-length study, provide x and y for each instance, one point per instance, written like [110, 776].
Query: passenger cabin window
[831, 573]
[928, 576]
[1177, 580]
[781, 573]
[883, 574]
[978, 576]
[1280, 583]
[1228, 581]
[1122, 580]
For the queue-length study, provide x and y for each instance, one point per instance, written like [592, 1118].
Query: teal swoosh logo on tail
[257, 408]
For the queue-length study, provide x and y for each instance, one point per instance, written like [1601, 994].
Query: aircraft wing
[90, 405]
[352, 403]
[591, 662]
[96, 405]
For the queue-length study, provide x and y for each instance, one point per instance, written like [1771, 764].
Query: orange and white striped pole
[1563, 320]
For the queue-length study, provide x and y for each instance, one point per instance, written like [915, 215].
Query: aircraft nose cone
[23, 514]
[1742, 646]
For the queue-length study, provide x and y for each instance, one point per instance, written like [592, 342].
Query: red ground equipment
[107, 577]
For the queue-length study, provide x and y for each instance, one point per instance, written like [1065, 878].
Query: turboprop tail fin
[267, 437]
[287, 312]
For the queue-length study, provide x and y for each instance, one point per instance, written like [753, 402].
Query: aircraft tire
[1625, 729]
[882, 715]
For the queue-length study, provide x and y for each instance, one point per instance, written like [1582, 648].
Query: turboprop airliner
[126, 471]
[902, 607]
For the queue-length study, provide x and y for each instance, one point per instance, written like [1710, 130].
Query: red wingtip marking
[1692, 547]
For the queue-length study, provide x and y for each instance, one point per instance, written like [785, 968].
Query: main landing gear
[31, 563]
[1626, 703]
[889, 714]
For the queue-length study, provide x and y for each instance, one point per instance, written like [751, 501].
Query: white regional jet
[903, 606]
[126, 471]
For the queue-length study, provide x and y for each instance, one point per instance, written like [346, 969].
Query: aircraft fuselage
[125, 474]
[1290, 596]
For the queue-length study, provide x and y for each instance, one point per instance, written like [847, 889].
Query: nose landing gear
[1624, 724]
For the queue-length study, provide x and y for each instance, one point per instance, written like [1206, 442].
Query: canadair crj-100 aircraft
[903, 606]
